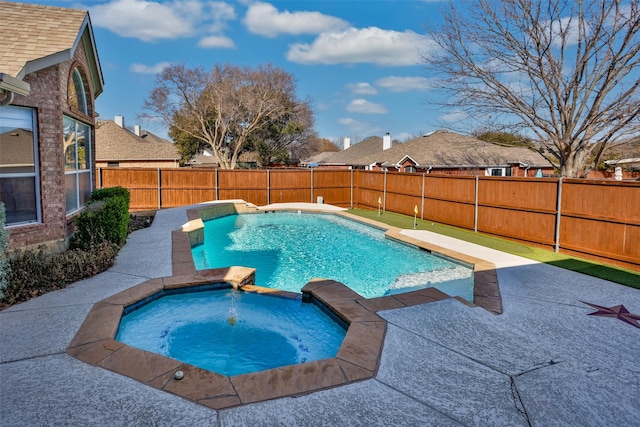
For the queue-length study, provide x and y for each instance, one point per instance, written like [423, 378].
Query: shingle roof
[449, 149]
[114, 143]
[320, 157]
[372, 144]
[33, 37]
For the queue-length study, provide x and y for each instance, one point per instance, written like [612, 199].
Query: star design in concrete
[617, 311]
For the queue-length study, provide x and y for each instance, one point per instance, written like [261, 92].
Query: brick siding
[49, 97]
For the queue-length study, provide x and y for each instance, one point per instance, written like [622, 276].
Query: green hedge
[105, 219]
[101, 230]
[33, 273]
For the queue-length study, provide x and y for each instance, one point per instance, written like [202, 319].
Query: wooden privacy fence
[589, 218]
[153, 188]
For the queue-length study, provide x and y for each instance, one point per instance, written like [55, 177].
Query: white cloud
[454, 116]
[367, 45]
[216, 41]
[354, 125]
[264, 19]
[220, 14]
[362, 88]
[152, 20]
[365, 107]
[404, 84]
[148, 69]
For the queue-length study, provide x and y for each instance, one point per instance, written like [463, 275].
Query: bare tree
[224, 107]
[566, 70]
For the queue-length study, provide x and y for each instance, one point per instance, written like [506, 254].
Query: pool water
[288, 249]
[232, 332]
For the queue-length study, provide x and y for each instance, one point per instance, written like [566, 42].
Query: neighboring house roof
[353, 154]
[34, 37]
[319, 158]
[633, 162]
[448, 149]
[623, 150]
[114, 143]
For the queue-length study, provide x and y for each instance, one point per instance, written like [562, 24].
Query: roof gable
[35, 37]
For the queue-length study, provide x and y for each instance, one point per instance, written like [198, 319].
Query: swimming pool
[232, 332]
[288, 249]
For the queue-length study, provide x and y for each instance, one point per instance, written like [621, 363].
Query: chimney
[386, 141]
[347, 142]
[136, 130]
[119, 121]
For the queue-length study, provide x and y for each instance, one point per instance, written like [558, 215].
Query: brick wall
[49, 97]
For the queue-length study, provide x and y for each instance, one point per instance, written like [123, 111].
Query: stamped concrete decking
[544, 361]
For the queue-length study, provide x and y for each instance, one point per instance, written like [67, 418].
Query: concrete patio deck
[544, 361]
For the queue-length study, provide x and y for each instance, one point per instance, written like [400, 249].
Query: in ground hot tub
[232, 332]
[356, 358]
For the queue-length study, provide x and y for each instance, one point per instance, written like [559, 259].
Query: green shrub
[106, 193]
[35, 272]
[106, 218]
[4, 242]
[101, 230]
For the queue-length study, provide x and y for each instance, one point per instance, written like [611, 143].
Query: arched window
[77, 95]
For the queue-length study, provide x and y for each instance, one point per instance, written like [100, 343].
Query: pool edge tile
[362, 346]
[100, 324]
[288, 381]
[140, 365]
[197, 384]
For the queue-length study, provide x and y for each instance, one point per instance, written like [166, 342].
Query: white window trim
[77, 172]
[36, 170]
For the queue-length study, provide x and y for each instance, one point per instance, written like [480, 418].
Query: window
[19, 184]
[498, 172]
[76, 142]
[77, 95]
[410, 169]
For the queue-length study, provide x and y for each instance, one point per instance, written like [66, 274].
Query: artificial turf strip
[591, 268]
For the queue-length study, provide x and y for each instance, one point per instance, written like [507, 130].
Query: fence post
[159, 189]
[422, 207]
[384, 192]
[475, 210]
[216, 188]
[558, 216]
[351, 196]
[268, 189]
[99, 177]
[311, 185]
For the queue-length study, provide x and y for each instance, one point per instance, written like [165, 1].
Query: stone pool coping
[356, 360]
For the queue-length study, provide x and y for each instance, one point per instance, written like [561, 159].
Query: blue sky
[359, 62]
